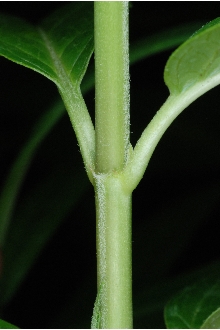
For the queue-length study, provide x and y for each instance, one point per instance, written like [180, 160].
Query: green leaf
[60, 49]
[6, 325]
[194, 304]
[196, 61]
[213, 321]
[62, 42]
[148, 312]
[207, 26]
[191, 71]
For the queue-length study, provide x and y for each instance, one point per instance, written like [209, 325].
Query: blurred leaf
[162, 41]
[6, 325]
[150, 301]
[35, 221]
[194, 304]
[19, 168]
[173, 227]
[197, 60]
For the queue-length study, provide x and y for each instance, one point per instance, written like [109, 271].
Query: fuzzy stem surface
[112, 85]
[113, 201]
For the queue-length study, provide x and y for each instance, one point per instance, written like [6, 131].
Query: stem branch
[152, 134]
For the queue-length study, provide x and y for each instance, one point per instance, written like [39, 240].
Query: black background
[185, 162]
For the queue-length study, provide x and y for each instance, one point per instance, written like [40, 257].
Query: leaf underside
[198, 59]
[64, 39]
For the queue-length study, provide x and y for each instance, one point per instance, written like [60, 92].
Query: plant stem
[113, 201]
[112, 85]
[113, 204]
[152, 134]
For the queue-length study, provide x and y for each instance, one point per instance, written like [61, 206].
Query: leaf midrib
[63, 81]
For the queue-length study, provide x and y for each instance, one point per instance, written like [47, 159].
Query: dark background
[175, 208]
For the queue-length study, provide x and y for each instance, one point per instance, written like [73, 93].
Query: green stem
[113, 202]
[152, 134]
[75, 106]
[82, 124]
[112, 85]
